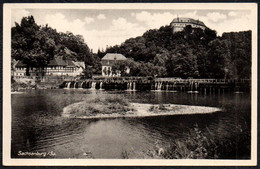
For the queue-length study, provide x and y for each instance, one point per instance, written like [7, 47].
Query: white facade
[107, 71]
[178, 24]
[76, 70]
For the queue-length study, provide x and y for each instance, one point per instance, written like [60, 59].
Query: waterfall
[156, 86]
[174, 85]
[93, 85]
[196, 86]
[191, 87]
[75, 85]
[134, 85]
[81, 85]
[160, 86]
[101, 86]
[167, 86]
[68, 85]
[131, 86]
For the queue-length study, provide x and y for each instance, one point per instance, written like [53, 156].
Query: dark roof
[20, 64]
[57, 62]
[114, 56]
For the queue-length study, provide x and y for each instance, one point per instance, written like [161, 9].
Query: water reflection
[38, 126]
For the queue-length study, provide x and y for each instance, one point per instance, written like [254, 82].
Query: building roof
[20, 64]
[54, 62]
[70, 63]
[188, 20]
[114, 56]
[79, 64]
[57, 62]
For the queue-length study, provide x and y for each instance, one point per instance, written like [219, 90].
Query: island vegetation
[111, 107]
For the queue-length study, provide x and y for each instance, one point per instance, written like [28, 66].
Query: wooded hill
[162, 53]
[189, 53]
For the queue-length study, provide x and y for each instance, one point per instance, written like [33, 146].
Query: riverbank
[17, 87]
[119, 107]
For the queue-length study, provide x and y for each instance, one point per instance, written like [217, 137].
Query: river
[37, 124]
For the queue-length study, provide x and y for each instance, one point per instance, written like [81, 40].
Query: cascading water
[81, 85]
[68, 85]
[93, 85]
[159, 86]
[101, 86]
[156, 86]
[131, 86]
[134, 86]
[196, 86]
[167, 86]
[75, 85]
[191, 88]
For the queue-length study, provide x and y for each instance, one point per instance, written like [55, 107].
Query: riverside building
[56, 67]
[108, 61]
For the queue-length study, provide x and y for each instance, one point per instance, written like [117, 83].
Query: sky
[105, 27]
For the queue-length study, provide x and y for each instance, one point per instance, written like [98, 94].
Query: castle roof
[188, 20]
[114, 56]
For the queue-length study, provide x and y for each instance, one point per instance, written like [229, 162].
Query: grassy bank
[208, 144]
[199, 144]
[227, 141]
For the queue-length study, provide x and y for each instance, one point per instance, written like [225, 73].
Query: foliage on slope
[189, 53]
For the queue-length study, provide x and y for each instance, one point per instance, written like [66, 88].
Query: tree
[30, 44]
[35, 46]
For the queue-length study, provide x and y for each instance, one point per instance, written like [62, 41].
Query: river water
[37, 124]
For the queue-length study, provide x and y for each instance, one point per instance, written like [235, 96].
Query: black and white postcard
[169, 84]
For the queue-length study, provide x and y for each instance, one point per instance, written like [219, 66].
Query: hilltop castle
[178, 24]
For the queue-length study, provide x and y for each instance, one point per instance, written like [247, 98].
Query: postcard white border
[6, 128]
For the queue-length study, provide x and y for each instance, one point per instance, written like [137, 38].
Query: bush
[211, 145]
[100, 105]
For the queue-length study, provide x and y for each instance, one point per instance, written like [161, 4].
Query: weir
[162, 84]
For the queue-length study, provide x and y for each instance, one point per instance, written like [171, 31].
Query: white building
[56, 67]
[178, 24]
[109, 60]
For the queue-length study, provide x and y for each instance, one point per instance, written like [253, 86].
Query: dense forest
[189, 53]
[36, 45]
[159, 52]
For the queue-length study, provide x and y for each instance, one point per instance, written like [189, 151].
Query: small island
[112, 107]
